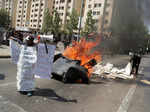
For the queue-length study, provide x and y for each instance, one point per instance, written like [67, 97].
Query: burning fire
[82, 51]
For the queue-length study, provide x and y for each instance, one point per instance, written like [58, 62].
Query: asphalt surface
[102, 95]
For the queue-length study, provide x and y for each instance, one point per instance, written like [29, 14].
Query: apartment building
[23, 11]
[2, 4]
[97, 7]
[30, 13]
[65, 7]
[8, 5]
[107, 16]
[37, 12]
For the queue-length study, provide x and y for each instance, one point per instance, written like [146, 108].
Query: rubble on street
[109, 71]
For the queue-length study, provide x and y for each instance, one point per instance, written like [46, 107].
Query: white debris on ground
[109, 71]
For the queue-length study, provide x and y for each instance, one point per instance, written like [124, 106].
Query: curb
[7, 56]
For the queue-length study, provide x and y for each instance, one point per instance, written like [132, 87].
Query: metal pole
[80, 19]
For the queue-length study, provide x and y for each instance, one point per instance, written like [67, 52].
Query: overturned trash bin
[68, 71]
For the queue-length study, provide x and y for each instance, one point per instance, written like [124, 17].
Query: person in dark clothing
[135, 61]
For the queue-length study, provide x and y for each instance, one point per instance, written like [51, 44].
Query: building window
[42, 4]
[99, 4]
[89, 6]
[18, 20]
[35, 20]
[96, 20]
[106, 13]
[94, 12]
[98, 12]
[106, 21]
[62, 1]
[35, 15]
[95, 5]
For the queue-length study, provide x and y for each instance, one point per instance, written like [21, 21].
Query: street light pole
[80, 19]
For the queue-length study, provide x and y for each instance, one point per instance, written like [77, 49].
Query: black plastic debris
[69, 71]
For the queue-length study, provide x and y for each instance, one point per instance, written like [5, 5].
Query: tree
[89, 24]
[4, 18]
[48, 21]
[72, 23]
[56, 26]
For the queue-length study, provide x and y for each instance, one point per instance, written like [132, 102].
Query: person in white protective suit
[25, 67]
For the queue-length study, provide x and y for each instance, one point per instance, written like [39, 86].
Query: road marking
[126, 101]
[128, 98]
[7, 105]
[7, 84]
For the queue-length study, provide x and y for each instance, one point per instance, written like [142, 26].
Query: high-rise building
[97, 8]
[2, 4]
[64, 7]
[37, 10]
[8, 5]
[23, 7]
[30, 13]
[107, 16]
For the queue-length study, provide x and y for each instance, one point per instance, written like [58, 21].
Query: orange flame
[82, 51]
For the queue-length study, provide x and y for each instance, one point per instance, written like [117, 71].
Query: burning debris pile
[83, 51]
[109, 71]
[76, 63]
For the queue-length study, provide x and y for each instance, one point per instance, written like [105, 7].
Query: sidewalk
[4, 51]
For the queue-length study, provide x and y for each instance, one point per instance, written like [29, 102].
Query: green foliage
[51, 22]
[4, 18]
[89, 24]
[48, 20]
[72, 23]
[56, 22]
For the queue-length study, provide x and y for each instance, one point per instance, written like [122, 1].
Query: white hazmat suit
[25, 68]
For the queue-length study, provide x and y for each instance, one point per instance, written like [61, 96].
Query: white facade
[63, 7]
[8, 5]
[97, 7]
[37, 13]
[21, 15]
[1, 4]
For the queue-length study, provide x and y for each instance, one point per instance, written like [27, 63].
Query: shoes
[28, 93]
[23, 92]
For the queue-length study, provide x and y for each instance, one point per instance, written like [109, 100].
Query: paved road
[53, 96]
